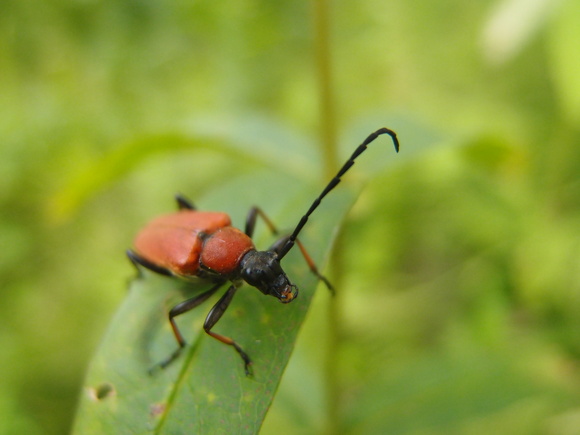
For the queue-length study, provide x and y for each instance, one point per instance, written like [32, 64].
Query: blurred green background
[459, 267]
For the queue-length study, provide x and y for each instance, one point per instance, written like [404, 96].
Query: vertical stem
[325, 85]
[328, 142]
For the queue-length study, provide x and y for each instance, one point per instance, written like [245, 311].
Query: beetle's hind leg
[138, 261]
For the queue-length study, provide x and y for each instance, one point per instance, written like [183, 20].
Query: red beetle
[204, 245]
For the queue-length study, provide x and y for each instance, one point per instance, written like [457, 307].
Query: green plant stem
[325, 85]
[328, 141]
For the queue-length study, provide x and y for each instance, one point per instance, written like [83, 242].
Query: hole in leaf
[102, 391]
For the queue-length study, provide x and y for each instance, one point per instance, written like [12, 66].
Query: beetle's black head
[262, 270]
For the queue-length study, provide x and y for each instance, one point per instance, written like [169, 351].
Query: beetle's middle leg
[184, 203]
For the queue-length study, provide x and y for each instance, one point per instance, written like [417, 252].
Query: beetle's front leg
[212, 318]
[183, 307]
[280, 243]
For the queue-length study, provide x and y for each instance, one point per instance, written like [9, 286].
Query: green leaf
[120, 161]
[252, 137]
[206, 390]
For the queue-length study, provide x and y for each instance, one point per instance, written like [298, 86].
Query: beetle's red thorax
[173, 241]
[224, 249]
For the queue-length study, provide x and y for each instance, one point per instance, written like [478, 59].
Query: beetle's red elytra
[194, 244]
[175, 241]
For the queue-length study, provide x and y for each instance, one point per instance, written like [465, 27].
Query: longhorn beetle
[191, 243]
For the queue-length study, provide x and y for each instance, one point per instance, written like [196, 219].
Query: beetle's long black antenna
[361, 148]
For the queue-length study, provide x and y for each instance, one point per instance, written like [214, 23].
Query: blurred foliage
[459, 300]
